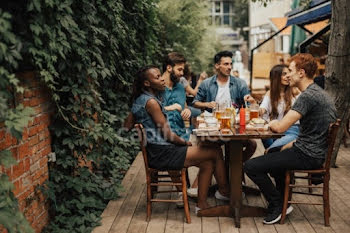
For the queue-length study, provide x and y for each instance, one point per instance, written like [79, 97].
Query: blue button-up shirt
[171, 96]
[209, 88]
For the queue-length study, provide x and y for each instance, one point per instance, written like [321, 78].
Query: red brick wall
[31, 152]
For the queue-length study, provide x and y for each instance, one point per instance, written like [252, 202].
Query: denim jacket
[153, 133]
[209, 88]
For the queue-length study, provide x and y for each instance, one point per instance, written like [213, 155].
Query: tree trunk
[337, 65]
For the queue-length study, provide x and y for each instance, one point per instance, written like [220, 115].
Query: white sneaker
[180, 204]
[192, 192]
[219, 196]
[289, 210]
[196, 209]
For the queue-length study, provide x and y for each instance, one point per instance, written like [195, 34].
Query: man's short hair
[306, 62]
[172, 59]
[221, 54]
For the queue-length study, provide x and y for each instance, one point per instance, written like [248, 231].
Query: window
[221, 12]
[226, 20]
[226, 7]
[217, 20]
[217, 7]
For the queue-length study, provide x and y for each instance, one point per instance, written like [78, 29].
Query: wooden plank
[227, 225]
[210, 224]
[167, 218]
[336, 222]
[126, 212]
[159, 214]
[138, 223]
[298, 221]
[339, 201]
[113, 207]
[314, 217]
[176, 218]
[248, 226]
[257, 201]
[196, 222]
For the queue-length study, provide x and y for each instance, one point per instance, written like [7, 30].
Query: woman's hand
[185, 114]
[262, 111]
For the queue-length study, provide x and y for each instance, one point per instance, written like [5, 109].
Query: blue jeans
[290, 135]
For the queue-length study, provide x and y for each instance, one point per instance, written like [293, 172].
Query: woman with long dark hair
[277, 102]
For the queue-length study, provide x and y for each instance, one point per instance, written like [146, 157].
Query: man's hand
[203, 76]
[173, 107]
[211, 104]
[189, 143]
[287, 121]
[250, 99]
[289, 145]
[272, 124]
[185, 114]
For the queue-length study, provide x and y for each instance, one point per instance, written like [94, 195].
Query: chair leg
[309, 182]
[326, 206]
[154, 179]
[188, 179]
[149, 204]
[287, 195]
[185, 198]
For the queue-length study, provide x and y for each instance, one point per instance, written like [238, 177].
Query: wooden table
[233, 150]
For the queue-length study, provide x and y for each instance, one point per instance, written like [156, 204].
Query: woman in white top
[276, 103]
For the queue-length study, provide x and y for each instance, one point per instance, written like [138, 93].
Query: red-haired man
[315, 110]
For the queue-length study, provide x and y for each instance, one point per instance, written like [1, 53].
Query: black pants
[276, 165]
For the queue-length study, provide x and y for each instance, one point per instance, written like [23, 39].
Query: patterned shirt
[318, 111]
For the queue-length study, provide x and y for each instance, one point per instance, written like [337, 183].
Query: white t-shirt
[266, 104]
[223, 95]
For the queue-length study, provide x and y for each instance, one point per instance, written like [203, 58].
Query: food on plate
[211, 121]
[226, 131]
[257, 122]
[200, 120]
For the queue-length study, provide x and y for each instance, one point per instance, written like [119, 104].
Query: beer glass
[254, 111]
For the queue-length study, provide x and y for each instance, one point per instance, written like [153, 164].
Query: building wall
[259, 24]
[259, 15]
[31, 152]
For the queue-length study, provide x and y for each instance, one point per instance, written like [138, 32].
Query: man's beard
[173, 78]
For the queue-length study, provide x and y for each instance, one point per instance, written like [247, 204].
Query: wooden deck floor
[128, 213]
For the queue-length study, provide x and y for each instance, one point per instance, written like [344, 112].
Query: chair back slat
[332, 134]
[143, 142]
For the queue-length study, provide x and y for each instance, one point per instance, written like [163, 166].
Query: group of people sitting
[294, 105]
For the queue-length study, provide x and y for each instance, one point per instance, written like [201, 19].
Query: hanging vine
[15, 118]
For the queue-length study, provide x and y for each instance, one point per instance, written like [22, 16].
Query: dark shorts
[166, 157]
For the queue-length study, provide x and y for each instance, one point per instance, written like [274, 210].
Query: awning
[318, 10]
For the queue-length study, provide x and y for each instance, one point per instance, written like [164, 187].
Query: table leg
[235, 209]
[235, 148]
[227, 161]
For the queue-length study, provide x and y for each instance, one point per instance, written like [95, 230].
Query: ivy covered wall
[86, 52]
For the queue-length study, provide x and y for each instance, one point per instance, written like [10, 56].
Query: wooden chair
[314, 177]
[156, 178]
